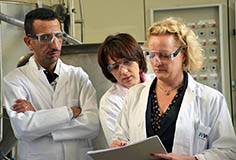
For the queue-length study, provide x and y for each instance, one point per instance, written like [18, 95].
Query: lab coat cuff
[70, 112]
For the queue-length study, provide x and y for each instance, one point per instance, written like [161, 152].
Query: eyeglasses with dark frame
[46, 38]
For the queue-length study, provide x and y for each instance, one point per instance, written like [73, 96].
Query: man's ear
[28, 42]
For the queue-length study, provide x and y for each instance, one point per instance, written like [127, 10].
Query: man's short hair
[40, 14]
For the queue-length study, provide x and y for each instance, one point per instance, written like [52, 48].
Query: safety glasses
[46, 38]
[116, 66]
[161, 57]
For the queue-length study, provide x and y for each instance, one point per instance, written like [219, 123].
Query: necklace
[167, 92]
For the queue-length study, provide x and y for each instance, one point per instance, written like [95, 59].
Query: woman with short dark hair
[123, 63]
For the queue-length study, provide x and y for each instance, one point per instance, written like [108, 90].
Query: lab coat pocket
[40, 156]
[202, 137]
[77, 149]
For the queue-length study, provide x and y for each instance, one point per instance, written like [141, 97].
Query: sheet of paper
[137, 151]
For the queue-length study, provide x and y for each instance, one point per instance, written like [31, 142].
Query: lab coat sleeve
[222, 140]
[31, 125]
[122, 124]
[86, 125]
[108, 114]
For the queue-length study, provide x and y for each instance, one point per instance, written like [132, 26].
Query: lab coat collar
[121, 89]
[36, 65]
[61, 70]
[63, 77]
[36, 75]
[190, 93]
[184, 119]
[192, 84]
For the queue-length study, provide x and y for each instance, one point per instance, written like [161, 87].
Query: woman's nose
[123, 69]
[157, 59]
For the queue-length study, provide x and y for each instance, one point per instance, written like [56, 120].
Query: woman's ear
[184, 55]
[28, 42]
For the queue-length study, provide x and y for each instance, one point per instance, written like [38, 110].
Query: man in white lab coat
[52, 106]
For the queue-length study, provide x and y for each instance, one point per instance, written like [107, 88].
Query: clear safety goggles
[161, 57]
[46, 38]
[116, 66]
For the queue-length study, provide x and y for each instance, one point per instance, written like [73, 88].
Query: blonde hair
[184, 37]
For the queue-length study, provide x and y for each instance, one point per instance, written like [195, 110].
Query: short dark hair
[117, 47]
[39, 13]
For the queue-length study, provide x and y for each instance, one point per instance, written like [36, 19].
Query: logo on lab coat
[203, 135]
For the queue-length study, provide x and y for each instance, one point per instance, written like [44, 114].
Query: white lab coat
[110, 106]
[50, 133]
[203, 126]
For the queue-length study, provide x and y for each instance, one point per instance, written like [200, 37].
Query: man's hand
[172, 156]
[76, 111]
[22, 105]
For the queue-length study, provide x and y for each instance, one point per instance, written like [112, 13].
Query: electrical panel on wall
[205, 21]
[208, 32]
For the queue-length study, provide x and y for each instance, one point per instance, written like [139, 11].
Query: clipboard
[136, 151]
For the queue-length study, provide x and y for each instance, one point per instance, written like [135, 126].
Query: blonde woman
[191, 119]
